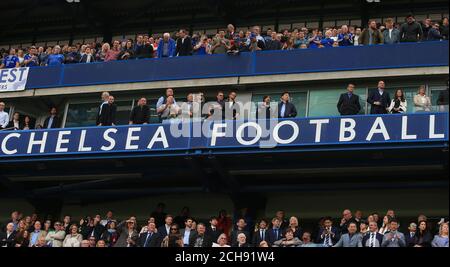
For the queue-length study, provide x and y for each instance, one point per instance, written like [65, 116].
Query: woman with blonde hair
[294, 226]
[221, 242]
[421, 101]
[73, 239]
[441, 240]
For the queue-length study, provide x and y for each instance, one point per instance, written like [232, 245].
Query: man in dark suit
[372, 239]
[262, 234]
[184, 44]
[52, 121]
[150, 239]
[241, 225]
[349, 102]
[105, 100]
[276, 233]
[108, 113]
[285, 108]
[411, 235]
[379, 99]
[188, 233]
[7, 239]
[165, 229]
[212, 230]
[328, 234]
[201, 239]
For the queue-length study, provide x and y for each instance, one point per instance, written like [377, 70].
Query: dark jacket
[184, 48]
[273, 236]
[213, 234]
[434, 35]
[11, 125]
[411, 32]
[385, 99]
[349, 105]
[96, 231]
[84, 58]
[140, 115]
[258, 238]
[366, 238]
[234, 235]
[7, 241]
[334, 238]
[291, 111]
[411, 241]
[377, 37]
[108, 115]
[147, 240]
[55, 124]
[425, 239]
[144, 51]
[207, 242]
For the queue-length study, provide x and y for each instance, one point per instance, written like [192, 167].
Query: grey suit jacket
[348, 242]
[191, 234]
[393, 39]
[394, 240]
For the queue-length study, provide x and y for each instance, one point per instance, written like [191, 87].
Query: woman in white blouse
[421, 101]
[74, 238]
[399, 105]
[385, 228]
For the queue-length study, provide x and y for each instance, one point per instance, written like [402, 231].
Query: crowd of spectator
[227, 41]
[193, 107]
[164, 230]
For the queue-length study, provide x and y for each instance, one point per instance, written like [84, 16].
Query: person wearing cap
[411, 30]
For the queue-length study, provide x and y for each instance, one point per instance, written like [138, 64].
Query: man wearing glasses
[55, 239]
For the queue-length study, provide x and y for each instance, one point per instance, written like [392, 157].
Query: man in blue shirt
[31, 59]
[11, 61]
[56, 58]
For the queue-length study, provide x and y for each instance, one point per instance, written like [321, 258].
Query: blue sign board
[264, 135]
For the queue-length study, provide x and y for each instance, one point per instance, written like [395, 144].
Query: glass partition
[324, 102]
[299, 99]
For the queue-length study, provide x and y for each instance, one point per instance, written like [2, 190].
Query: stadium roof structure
[35, 20]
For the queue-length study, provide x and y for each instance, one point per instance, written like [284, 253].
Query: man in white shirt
[7, 239]
[4, 117]
[372, 239]
[187, 233]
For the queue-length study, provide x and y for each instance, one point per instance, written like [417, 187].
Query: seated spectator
[170, 110]
[289, 241]
[372, 239]
[101, 244]
[411, 31]
[276, 232]
[150, 237]
[351, 239]
[222, 242]
[242, 241]
[411, 236]
[315, 39]
[56, 238]
[15, 123]
[101, 55]
[394, 238]
[261, 234]
[391, 35]
[128, 51]
[220, 44]
[240, 229]
[10, 61]
[110, 236]
[166, 47]
[306, 241]
[285, 108]
[21, 57]
[88, 56]
[43, 55]
[371, 35]
[22, 239]
[399, 103]
[349, 103]
[201, 239]
[295, 227]
[7, 239]
[274, 43]
[73, 56]
[328, 234]
[441, 240]
[422, 102]
[27, 123]
[423, 236]
[385, 228]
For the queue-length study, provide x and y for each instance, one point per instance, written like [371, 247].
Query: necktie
[372, 241]
[149, 236]
[327, 240]
[262, 235]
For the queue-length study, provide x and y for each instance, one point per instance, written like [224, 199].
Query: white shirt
[4, 119]
[390, 33]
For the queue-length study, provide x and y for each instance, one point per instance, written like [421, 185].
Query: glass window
[85, 114]
[436, 92]
[299, 99]
[324, 102]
